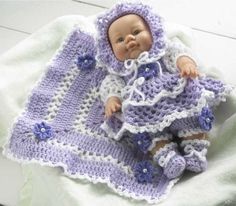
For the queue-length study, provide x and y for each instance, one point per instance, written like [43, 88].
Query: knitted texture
[195, 154]
[162, 99]
[105, 53]
[112, 86]
[60, 127]
[154, 96]
[169, 158]
[63, 119]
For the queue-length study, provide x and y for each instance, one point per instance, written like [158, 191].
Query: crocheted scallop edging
[164, 93]
[160, 138]
[195, 141]
[86, 156]
[166, 122]
[177, 115]
[95, 179]
[165, 149]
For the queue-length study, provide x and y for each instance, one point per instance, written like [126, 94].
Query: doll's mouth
[131, 45]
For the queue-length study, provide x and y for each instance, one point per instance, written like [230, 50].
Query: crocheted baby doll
[153, 90]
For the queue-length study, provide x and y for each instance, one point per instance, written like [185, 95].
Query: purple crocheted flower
[42, 131]
[142, 141]
[206, 118]
[148, 70]
[144, 171]
[86, 62]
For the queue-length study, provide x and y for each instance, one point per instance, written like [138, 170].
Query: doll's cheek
[120, 54]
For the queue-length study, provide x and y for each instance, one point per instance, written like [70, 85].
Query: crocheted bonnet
[154, 21]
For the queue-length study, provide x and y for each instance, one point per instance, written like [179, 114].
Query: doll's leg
[195, 150]
[191, 131]
[166, 154]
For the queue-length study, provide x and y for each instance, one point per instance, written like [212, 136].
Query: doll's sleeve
[111, 86]
[174, 50]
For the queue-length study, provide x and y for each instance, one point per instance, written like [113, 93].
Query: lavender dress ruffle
[163, 97]
[60, 126]
[152, 103]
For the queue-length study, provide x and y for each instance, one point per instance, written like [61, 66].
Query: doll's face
[129, 36]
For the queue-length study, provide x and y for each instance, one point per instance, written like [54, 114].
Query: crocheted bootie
[170, 160]
[195, 154]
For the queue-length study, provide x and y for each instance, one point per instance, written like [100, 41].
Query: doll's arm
[179, 58]
[110, 93]
[112, 105]
[187, 66]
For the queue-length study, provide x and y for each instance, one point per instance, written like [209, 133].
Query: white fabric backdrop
[21, 68]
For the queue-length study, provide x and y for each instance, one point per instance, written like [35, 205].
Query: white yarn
[164, 149]
[60, 93]
[163, 160]
[114, 85]
[111, 86]
[167, 120]
[174, 50]
[158, 139]
[178, 89]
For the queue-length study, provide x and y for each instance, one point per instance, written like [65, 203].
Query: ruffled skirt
[168, 101]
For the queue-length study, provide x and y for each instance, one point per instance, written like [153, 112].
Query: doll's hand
[187, 67]
[113, 105]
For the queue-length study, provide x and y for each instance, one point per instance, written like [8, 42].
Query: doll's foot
[172, 162]
[195, 154]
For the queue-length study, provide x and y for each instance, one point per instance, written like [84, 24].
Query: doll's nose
[129, 38]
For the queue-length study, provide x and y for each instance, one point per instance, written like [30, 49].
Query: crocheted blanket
[60, 126]
[27, 60]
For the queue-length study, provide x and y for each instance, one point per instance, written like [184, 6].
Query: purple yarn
[170, 83]
[72, 128]
[79, 146]
[206, 118]
[144, 172]
[105, 53]
[175, 166]
[86, 62]
[114, 123]
[194, 164]
[142, 141]
[42, 131]
[195, 157]
[162, 111]
[148, 70]
[168, 109]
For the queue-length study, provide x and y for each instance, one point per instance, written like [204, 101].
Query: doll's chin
[135, 54]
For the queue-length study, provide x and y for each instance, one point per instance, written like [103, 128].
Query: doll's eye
[136, 32]
[120, 39]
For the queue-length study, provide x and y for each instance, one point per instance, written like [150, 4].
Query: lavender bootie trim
[195, 154]
[170, 160]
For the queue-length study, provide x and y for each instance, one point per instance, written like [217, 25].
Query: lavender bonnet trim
[154, 21]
